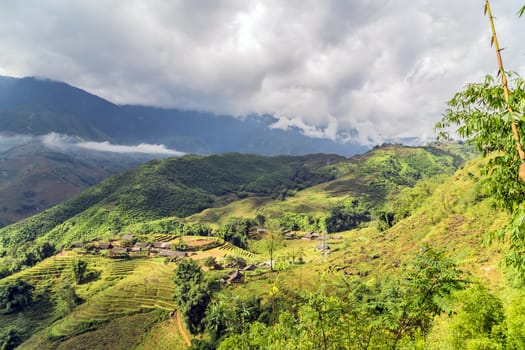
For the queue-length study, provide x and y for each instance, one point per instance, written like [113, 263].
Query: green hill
[385, 205]
[179, 186]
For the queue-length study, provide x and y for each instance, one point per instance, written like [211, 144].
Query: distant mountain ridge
[39, 106]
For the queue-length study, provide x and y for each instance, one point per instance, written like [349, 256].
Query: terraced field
[234, 251]
[140, 285]
[164, 237]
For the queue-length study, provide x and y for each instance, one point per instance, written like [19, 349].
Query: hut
[162, 245]
[168, 253]
[235, 277]
[250, 267]
[290, 235]
[103, 245]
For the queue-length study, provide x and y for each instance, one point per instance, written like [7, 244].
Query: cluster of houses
[127, 248]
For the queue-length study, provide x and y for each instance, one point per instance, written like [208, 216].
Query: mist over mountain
[32, 106]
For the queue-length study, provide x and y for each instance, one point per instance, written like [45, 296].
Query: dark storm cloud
[383, 67]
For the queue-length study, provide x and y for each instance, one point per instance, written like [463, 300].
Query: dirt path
[177, 319]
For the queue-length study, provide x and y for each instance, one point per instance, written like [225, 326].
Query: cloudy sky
[385, 68]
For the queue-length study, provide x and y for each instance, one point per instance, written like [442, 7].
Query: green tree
[192, 293]
[490, 115]
[79, 268]
[16, 295]
[9, 339]
[479, 320]
[211, 262]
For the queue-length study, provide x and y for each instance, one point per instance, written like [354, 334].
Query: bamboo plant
[506, 91]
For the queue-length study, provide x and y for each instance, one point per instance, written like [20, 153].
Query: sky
[383, 68]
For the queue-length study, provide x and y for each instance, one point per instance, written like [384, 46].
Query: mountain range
[31, 106]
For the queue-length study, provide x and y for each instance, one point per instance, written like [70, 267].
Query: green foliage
[402, 204]
[480, 320]
[211, 263]
[16, 295]
[169, 225]
[481, 116]
[236, 231]
[300, 222]
[9, 339]
[81, 272]
[521, 11]
[192, 293]
[347, 216]
[350, 314]
[231, 315]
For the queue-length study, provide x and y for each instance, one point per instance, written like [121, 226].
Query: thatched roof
[141, 245]
[236, 277]
[172, 253]
[103, 245]
[250, 267]
[162, 245]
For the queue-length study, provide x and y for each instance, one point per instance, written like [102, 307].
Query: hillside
[34, 177]
[436, 209]
[177, 186]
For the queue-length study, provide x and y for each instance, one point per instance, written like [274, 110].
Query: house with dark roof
[162, 245]
[250, 267]
[168, 253]
[235, 277]
[103, 245]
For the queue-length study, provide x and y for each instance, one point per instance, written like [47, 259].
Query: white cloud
[141, 148]
[384, 67]
[70, 143]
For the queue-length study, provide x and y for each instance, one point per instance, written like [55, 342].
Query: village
[173, 248]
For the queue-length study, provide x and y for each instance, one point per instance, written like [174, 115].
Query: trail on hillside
[177, 319]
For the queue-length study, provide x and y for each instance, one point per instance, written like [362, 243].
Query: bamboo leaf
[521, 11]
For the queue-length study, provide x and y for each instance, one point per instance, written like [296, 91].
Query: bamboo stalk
[506, 91]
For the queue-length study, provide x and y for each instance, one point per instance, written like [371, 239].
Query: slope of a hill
[34, 177]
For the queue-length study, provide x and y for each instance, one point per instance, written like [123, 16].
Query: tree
[211, 262]
[16, 295]
[79, 268]
[490, 115]
[271, 242]
[192, 293]
[479, 319]
[10, 339]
